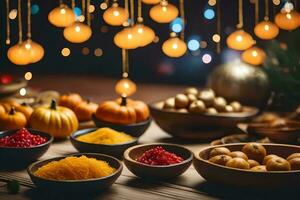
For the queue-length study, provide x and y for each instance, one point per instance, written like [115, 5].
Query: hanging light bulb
[126, 39]
[77, 33]
[287, 20]
[35, 50]
[18, 54]
[240, 40]
[174, 46]
[62, 16]
[115, 15]
[144, 35]
[151, 1]
[254, 56]
[164, 12]
[125, 87]
[266, 30]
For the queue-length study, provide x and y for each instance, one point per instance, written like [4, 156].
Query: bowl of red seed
[22, 146]
[158, 160]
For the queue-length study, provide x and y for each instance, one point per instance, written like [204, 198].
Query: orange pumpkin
[123, 111]
[2, 110]
[25, 109]
[9, 103]
[12, 120]
[85, 110]
[70, 100]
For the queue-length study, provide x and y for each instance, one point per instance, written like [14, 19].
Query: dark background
[146, 64]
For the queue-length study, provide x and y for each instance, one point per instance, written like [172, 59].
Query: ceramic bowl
[157, 172]
[80, 186]
[135, 130]
[116, 150]
[14, 156]
[245, 178]
[198, 126]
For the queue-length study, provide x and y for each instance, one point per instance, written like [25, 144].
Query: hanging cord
[241, 23]
[73, 4]
[256, 11]
[28, 19]
[182, 15]
[266, 10]
[7, 24]
[20, 22]
[125, 63]
[83, 7]
[88, 15]
[61, 2]
[140, 15]
[132, 12]
[219, 25]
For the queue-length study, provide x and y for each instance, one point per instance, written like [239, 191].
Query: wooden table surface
[188, 186]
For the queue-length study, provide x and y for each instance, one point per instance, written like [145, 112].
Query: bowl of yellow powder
[88, 172]
[102, 140]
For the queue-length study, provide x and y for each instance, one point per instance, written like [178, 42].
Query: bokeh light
[35, 9]
[156, 39]
[13, 14]
[206, 58]
[85, 51]
[91, 8]
[28, 76]
[104, 29]
[81, 18]
[103, 6]
[193, 45]
[98, 52]
[65, 52]
[212, 2]
[216, 38]
[23, 91]
[77, 11]
[209, 13]
[276, 2]
[177, 25]
[203, 44]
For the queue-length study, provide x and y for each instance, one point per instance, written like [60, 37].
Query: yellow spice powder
[105, 136]
[75, 168]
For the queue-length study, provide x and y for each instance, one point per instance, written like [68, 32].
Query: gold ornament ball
[266, 30]
[239, 40]
[254, 56]
[287, 20]
[77, 32]
[62, 16]
[18, 54]
[174, 47]
[36, 51]
[144, 34]
[115, 15]
[125, 87]
[151, 1]
[163, 12]
[126, 39]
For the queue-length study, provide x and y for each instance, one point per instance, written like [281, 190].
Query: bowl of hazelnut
[199, 114]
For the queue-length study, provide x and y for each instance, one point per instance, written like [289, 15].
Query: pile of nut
[204, 101]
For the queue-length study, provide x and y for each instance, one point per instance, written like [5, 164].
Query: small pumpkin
[2, 110]
[85, 110]
[12, 120]
[9, 103]
[25, 109]
[70, 100]
[59, 121]
[123, 111]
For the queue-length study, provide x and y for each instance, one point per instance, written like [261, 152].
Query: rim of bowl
[120, 168]
[197, 157]
[49, 141]
[73, 137]
[148, 120]
[127, 157]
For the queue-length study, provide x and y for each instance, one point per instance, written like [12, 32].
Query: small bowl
[135, 130]
[74, 186]
[157, 172]
[245, 178]
[198, 126]
[116, 150]
[14, 156]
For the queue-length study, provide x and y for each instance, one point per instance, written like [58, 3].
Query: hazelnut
[191, 90]
[229, 109]
[169, 103]
[207, 96]
[181, 101]
[220, 104]
[211, 111]
[197, 107]
[237, 107]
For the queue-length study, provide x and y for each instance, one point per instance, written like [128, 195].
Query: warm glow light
[35, 50]
[254, 56]
[61, 16]
[151, 1]
[18, 54]
[98, 52]
[13, 14]
[77, 32]
[103, 6]
[276, 2]
[174, 47]
[239, 40]
[266, 30]
[115, 15]
[125, 87]
[65, 52]
[126, 39]
[28, 76]
[144, 35]
[23, 92]
[212, 2]
[288, 20]
[164, 12]
[216, 38]
[81, 18]
[91, 8]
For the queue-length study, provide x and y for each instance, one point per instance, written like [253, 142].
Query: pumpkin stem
[53, 104]
[124, 101]
[88, 101]
[24, 104]
[12, 111]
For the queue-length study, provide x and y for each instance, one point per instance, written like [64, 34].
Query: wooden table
[188, 186]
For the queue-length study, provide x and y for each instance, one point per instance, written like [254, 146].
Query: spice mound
[22, 139]
[159, 156]
[105, 136]
[75, 168]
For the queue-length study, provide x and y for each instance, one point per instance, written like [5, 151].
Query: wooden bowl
[14, 156]
[198, 126]
[246, 178]
[12, 88]
[157, 172]
[116, 150]
[74, 186]
[135, 130]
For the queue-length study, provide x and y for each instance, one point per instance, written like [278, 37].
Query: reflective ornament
[266, 30]
[126, 39]
[151, 1]
[287, 20]
[144, 35]
[163, 12]
[77, 32]
[62, 16]
[254, 56]
[35, 50]
[115, 15]
[240, 40]
[174, 47]
[18, 54]
[125, 87]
